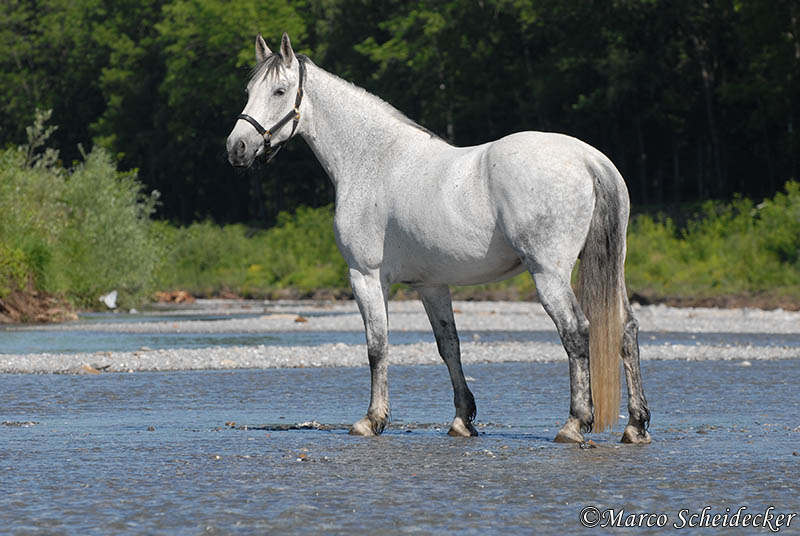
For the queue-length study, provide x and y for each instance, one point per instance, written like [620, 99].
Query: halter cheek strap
[293, 115]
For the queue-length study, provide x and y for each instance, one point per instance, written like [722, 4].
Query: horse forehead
[273, 75]
[268, 79]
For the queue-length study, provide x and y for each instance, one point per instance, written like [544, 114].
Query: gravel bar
[275, 316]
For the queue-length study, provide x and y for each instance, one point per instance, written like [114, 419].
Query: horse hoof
[363, 428]
[634, 436]
[461, 428]
[569, 433]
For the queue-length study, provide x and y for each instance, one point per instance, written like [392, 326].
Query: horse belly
[443, 228]
[495, 266]
[445, 253]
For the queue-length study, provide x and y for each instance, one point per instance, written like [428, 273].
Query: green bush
[77, 232]
[13, 269]
[106, 241]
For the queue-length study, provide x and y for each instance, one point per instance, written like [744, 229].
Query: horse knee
[377, 344]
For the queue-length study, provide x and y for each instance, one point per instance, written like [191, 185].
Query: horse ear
[286, 50]
[262, 50]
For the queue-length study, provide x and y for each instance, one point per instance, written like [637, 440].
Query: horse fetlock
[471, 408]
[640, 418]
[584, 418]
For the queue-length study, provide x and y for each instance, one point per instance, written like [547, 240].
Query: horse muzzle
[243, 150]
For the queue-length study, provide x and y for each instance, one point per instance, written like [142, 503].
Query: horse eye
[279, 92]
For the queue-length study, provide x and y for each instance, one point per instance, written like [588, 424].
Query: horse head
[275, 92]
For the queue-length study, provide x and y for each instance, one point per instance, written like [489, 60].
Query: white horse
[412, 208]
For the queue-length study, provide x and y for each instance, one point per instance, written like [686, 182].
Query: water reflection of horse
[412, 208]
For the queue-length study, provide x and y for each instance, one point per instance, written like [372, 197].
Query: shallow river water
[214, 452]
[261, 449]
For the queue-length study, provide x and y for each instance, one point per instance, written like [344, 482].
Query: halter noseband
[293, 115]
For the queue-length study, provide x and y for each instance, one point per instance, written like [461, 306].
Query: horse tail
[602, 286]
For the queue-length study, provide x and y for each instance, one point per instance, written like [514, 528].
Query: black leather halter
[293, 115]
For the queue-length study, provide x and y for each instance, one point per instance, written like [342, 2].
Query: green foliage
[299, 252]
[204, 258]
[13, 269]
[79, 232]
[302, 252]
[691, 100]
[105, 243]
[725, 249]
[87, 230]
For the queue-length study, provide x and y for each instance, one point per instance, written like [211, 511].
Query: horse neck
[354, 134]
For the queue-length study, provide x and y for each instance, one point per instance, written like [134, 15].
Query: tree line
[692, 99]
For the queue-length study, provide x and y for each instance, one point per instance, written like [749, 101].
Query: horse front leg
[371, 295]
[439, 308]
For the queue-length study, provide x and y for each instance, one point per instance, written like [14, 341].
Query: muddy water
[151, 452]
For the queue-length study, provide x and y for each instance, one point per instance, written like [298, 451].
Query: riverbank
[31, 306]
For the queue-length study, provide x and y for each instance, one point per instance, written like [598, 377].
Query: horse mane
[273, 64]
[394, 112]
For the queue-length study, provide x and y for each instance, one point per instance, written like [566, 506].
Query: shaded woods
[691, 99]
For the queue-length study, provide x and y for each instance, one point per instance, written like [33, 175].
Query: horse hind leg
[638, 413]
[371, 295]
[561, 304]
[439, 308]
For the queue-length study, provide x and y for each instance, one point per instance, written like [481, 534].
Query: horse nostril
[240, 148]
